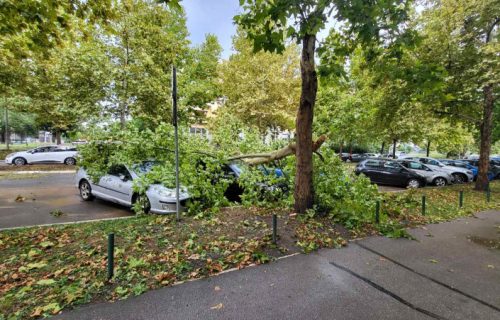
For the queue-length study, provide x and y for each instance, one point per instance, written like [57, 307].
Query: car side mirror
[122, 177]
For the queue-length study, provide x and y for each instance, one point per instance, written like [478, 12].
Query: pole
[176, 139]
[111, 255]
[488, 193]
[377, 212]
[461, 199]
[423, 205]
[275, 227]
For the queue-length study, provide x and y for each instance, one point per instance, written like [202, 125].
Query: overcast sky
[216, 16]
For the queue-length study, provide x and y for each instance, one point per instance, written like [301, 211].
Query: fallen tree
[267, 157]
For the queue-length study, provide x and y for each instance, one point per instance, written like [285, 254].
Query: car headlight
[167, 193]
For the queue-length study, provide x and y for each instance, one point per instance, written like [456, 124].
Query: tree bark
[340, 149]
[394, 148]
[485, 148]
[428, 147]
[304, 191]
[382, 148]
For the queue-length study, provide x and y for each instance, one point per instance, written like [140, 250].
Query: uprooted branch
[261, 158]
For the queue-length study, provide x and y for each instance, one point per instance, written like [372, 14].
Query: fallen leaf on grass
[46, 282]
[433, 260]
[217, 307]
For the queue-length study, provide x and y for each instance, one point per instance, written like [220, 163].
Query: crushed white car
[117, 186]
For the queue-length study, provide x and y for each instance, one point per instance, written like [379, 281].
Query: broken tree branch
[261, 158]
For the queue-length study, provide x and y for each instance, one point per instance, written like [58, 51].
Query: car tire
[19, 161]
[459, 178]
[85, 191]
[439, 182]
[70, 161]
[144, 201]
[413, 184]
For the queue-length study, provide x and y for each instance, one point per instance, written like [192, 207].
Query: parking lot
[37, 197]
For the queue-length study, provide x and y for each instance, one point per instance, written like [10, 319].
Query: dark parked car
[390, 172]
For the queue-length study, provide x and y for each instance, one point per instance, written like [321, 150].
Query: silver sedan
[117, 186]
[432, 176]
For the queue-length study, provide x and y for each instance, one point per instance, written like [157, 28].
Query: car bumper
[168, 207]
[9, 160]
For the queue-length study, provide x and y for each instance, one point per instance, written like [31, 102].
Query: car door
[117, 185]
[391, 173]
[39, 155]
[372, 170]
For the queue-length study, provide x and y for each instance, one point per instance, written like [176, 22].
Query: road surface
[46, 193]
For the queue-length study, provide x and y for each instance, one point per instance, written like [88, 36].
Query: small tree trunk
[394, 148]
[304, 192]
[428, 147]
[382, 148]
[58, 137]
[340, 149]
[7, 131]
[485, 148]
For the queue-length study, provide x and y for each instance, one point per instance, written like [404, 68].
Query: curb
[38, 171]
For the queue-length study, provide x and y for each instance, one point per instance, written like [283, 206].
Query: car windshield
[144, 167]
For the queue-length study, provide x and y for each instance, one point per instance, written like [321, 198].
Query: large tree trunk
[304, 192]
[485, 149]
[428, 147]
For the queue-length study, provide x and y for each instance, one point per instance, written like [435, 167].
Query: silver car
[438, 178]
[460, 175]
[45, 154]
[116, 186]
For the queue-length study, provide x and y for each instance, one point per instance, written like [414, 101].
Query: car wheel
[19, 161]
[70, 161]
[86, 191]
[459, 178]
[413, 183]
[440, 182]
[143, 202]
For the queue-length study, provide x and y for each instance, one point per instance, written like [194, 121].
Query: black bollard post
[377, 212]
[111, 254]
[488, 194]
[275, 228]
[461, 199]
[423, 205]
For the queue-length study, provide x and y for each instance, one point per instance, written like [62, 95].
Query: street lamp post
[176, 140]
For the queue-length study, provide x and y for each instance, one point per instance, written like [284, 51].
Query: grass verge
[46, 269]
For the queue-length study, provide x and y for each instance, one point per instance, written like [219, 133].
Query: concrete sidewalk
[448, 273]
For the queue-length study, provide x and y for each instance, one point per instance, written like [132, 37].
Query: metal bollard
[275, 228]
[423, 205]
[461, 199]
[111, 254]
[377, 212]
[488, 194]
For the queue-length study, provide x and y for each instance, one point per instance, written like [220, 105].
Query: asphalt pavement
[451, 271]
[47, 193]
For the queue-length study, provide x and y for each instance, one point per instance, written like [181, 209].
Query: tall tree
[145, 40]
[261, 87]
[269, 23]
[462, 36]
